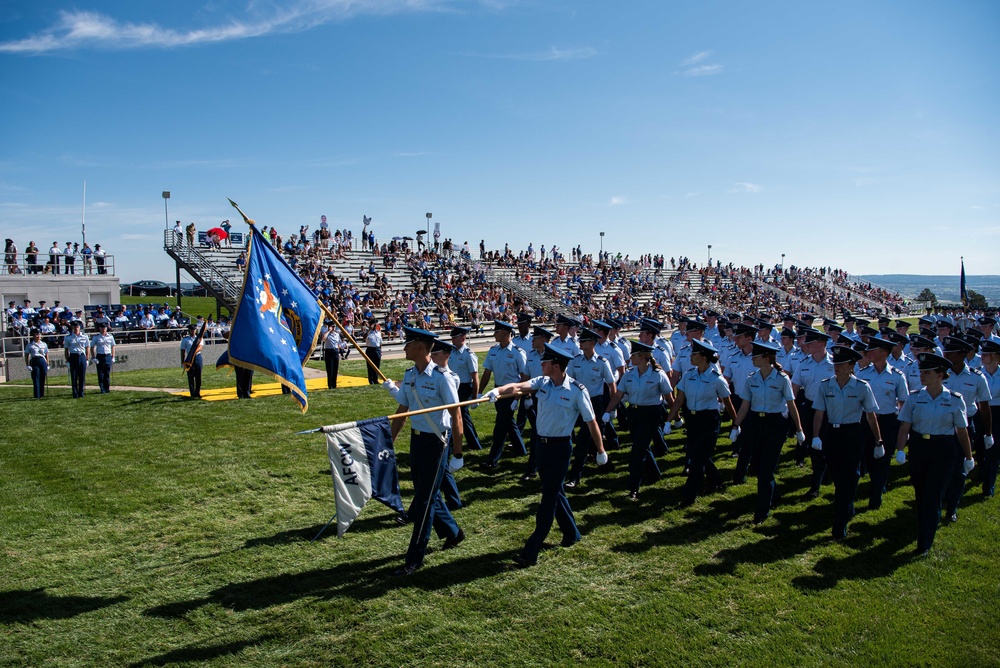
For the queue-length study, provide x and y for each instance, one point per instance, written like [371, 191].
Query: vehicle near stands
[195, 291]
[148, 289]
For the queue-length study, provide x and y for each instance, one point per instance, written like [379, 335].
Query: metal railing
[43, 264]
[200, 263]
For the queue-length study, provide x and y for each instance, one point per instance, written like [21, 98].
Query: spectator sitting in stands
[148, 323]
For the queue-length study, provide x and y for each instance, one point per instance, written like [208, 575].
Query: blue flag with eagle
[277, 319]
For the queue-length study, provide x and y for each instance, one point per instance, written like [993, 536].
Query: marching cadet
[975, 393]
[701, 390]
[712, 333]
[194, 371]
[842, 400]
[563, 340]
[890, 389]
[990, 455]
[102, 349]
[987, 324]
[507, 362]
[679, 338]
[373, 349]
[649, 330]
[933, 421]
[850, 322]
[540, 337]
[765, 332]
[788, 354]
[646, 386]
[624, 347]
[440, 354]
[835, 332]
[807, 377]
[768, 403]
[76, 347]
[740, 363]
[606, 349]
[36, 355]
[693, 330]
[594, 372]
[898, 358]
[918, 344]
[561, 402]
[465, 364]
[523, 341]
[426, 385]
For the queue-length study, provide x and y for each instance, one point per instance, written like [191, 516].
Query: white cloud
[552, 54]
[702, 71]
[81, 29]
[746, 188]
[695, 59]
[617, 200]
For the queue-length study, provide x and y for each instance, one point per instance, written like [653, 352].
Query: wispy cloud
[618, 200]
[695, 66]
[745, 188]
[552, 54]
[76, 29]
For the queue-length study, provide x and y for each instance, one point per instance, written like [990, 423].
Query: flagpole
[330, 314]
[397, 416]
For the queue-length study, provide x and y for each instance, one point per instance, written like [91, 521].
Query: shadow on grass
[199, 654]
[360, 581]
[29, 605]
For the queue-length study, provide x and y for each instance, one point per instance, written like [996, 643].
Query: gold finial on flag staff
[246, 219]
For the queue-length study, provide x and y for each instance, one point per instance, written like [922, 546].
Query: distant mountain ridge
[945, 288]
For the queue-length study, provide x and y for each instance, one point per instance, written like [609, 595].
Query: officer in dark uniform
[934, 423]
[426, 385]
[194, 371]
[842, 400]
[890, 390]
[533, 368]
[561, 402]
[102, 349]
[36, 355]
[465, 364]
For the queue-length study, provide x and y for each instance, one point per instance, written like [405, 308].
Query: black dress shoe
[813, 493]
[453, 542]
[402, 519]
[528, 477]
[521, 562]
[408, 569]
[759, 520]
[953, 518]
[633, 496]
[569, 542]
[490, 468]
[571, 484]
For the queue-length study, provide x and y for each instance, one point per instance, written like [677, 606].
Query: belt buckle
[835, 426]
[761, 414]
[926, 437]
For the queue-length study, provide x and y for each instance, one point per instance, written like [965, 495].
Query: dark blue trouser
[505, 426]
[844, 446]
[194, 377]
[642, 421]
[331, 360]
[104, 372]
[375, 355]
[553, 461]
[702, 434]
[931, 463]
[466, 392]
[77, 373]
[531, 415]
[585, 445]
[878, 469]
[39, 371]
[764, 434]
[428, 461]
[956, 488]
[991, 458]
[816, 457]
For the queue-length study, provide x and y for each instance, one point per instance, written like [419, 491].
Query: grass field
[144, 529]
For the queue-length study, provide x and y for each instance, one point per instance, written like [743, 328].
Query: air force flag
[277, 319]
[363, 465]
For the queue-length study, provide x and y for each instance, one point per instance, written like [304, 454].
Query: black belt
[761, 414]
[707, 411]
[844, 424]
[931, 437]
[554, 439]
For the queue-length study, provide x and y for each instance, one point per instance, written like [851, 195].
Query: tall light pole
[709, 254]
[601, 255]
[782, 262]
[166, 216]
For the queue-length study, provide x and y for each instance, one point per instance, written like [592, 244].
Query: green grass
[143, 529]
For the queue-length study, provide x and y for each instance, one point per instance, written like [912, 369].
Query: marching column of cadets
[849, 397]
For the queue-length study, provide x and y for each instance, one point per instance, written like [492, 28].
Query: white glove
[800, 437]
[114, 359]
[988, 442]
[602, 458]
[389, 384]
[493, 395]
[879, 451]
[968, 465]
[606, 418]
[900, 456]
[678, 423]
[528, 403]
[614, 414]
[734, 434]
[456, 463]
[817, 443]
[666, 429]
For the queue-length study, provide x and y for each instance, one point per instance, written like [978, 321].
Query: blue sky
[854, 134]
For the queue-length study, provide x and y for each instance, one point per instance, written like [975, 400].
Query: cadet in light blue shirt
[36, 355]
[508, 363]
[561, 402]
[842, 400]
[594, 372]
[990, 457]
[808, 374]
[933, 420]
[77, 351]
[466, 365]
[102, 349]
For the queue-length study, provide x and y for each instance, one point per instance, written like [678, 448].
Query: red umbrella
[218, 232]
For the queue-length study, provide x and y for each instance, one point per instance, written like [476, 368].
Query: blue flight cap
[417, 334]
[502, 325]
